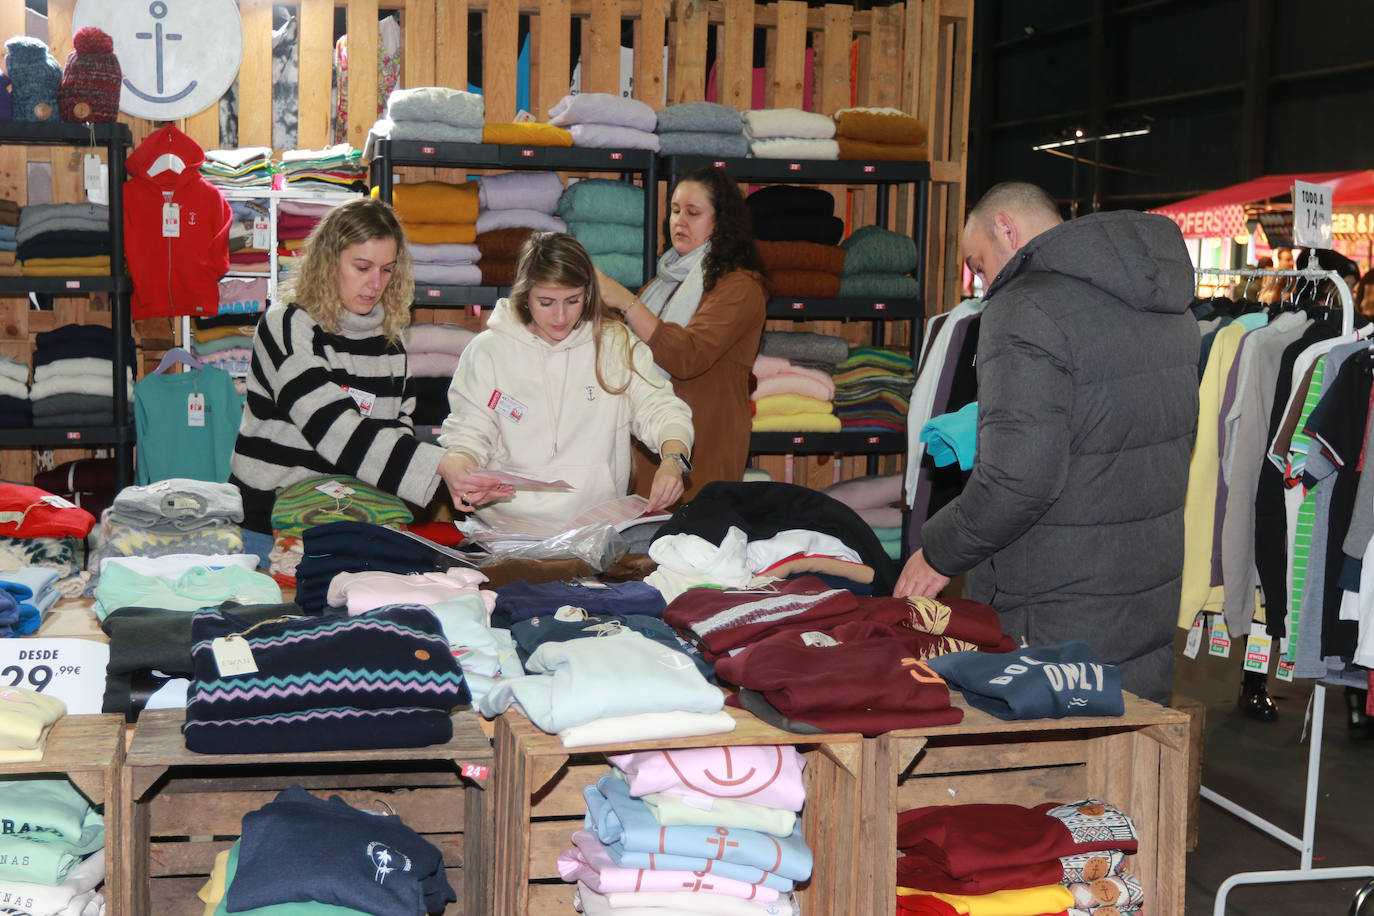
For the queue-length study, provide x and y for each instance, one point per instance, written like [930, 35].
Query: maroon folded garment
[723, 619]
[801, 256]
[804, 284]
[497, 272]
[918, 871]
[966, 620]
[502, 244]
[88, 482]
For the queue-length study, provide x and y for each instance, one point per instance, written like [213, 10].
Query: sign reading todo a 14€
[73, 670]
[1311, 215]
[177, 56]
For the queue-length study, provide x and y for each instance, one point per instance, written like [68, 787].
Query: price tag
[364, 399]
[1257, 649]
[336, 489]
[99, 193]
[474, 771]
[73, 670]
[195, 409]
[57, 502]
[233, 656]
[1194, 643]
[1311, 215]
[262, 232]
[171, 221]
[1221, 640]
[90, 173]
[1285, 671]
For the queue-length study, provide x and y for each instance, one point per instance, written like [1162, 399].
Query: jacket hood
[1138, 259]
[167, 140]
[507, 323]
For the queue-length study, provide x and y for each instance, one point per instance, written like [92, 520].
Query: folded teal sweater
[873, 249]
[609, 238]
[602, 200]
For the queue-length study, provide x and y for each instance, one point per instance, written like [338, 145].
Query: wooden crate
[180, 808]
[88, 750]
[537, 800]
[1138, 762]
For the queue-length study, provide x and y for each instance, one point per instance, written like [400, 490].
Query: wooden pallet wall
[912, 55]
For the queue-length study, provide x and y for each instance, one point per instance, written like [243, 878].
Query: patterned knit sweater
[321, 403]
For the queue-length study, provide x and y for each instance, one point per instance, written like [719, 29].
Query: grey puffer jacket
[1072, 518]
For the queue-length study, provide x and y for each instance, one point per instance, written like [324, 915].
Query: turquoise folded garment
[625, 269]
[952, 437]
[602, 200]
[609, 238]
[877, 286]
[873, 249]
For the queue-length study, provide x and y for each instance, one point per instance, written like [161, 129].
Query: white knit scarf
[676, 292]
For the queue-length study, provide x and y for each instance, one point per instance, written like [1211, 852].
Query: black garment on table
[799, 227]
[1271, 518]
[431, 400]
[946, 483]
[522, 599]
[356, 547]
[147, 639]
[1337, 426]
[66, 243]
[761, 510]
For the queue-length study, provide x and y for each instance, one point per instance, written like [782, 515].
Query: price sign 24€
[72, 670]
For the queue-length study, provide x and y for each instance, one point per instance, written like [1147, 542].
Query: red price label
[475, 771]
[798, 306]
[718, 163]
[427, 150]
[616, 157]
[870, 169]
[794, 166]
[527, 153]
[879, 306]
[73, 284]
[872, 440]
[73, 435]
[432, 293]
[798, 440]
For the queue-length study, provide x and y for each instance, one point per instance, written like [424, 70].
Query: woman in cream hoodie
[554, 388]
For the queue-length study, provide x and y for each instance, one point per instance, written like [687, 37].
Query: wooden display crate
[537, 800]
[1138, 762]
[88, 750]
[180, 808]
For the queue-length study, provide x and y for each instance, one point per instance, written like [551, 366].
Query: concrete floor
[1262, 766]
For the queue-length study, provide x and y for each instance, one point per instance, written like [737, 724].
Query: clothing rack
[1305, 843]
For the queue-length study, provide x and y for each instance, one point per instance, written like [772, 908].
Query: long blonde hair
[314, 285]
[558, 259]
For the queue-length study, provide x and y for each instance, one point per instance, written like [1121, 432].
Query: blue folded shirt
[952, 437]
[1039, 682]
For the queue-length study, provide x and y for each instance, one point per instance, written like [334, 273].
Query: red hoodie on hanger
[176, 228]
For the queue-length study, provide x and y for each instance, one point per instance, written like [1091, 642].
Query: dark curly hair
[732, 242]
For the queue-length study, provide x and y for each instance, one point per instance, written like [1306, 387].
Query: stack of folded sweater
[1002, 858]
[64, 239]
[246, 167]
[603, 121]
[181, 582]
[880, 133]
[352, 546]
[26, 594]
[500, 249]
[526, 133]
[788, 213]
[9, 241]
[878, 501]
[25, 721]
[339, 167]
[296, 219]
[435, 114]
[877, 265]
[873, 389]
[225, 342]
[42, 538]
[15, 411]
[659, 821]
[433, 351]
[785, 388]
[701, 129]
[171, 516]
[54, 864]
[446, 264]
[790, 410]
[242, 295]
[803, 269]
[790, 133]
[319, 500]
[73, 376]
[248, 250]
[607, 217]
[87, 482]
[517, 201]
[436, 212]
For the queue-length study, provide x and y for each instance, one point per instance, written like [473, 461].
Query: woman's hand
[466, 489]
[667, 486]
[613, 293]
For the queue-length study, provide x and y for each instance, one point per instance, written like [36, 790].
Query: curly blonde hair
[558, 259]
[314, 285]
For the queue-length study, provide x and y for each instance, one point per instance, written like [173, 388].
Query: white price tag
[336, 489]
[506, 406]
[262, 235]
[90, 173]
[73, 670]
[1221, 640]
[1285, 671]
[195, 409]
[364, 399]
[1194, 643]
[1257, 649]
[233, 656]
[57, 502]
[1311, 215]
[171, 221]
[100, 192]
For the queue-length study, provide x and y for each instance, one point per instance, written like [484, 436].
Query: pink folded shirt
[589, 863]
[363, 591]
[767, 775]
[794, 383]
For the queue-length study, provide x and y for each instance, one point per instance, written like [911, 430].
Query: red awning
[1221, 214]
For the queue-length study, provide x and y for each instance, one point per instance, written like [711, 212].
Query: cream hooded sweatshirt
[518, 403]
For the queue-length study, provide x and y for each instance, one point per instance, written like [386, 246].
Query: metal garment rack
[1305, 843]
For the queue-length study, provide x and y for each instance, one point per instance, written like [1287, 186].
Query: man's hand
[918, 579]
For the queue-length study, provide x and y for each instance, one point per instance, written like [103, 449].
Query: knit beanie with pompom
[90, 83]
[34, 76]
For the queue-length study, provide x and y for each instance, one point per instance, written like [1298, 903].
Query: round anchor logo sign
[178, 56]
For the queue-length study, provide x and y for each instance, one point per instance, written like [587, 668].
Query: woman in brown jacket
[702, 317]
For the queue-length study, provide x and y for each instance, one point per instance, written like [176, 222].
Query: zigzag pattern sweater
[385, 678]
